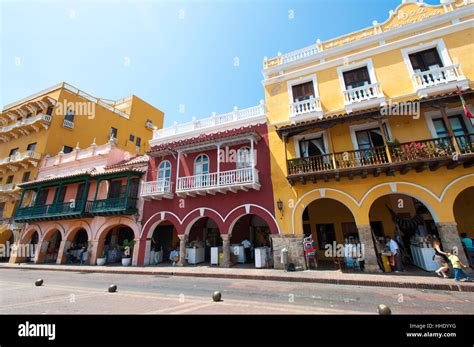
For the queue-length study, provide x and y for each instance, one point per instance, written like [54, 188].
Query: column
[450, 240]
[183, 239]
[136, 248]
[63, 247]
[225, 251]
[93, 251]
[366, 240]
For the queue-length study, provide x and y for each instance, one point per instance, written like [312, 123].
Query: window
[13, 151]
[164, 170]
[115, 189]
[69, 115]
[26, 176]
[49, 111]
[132, 138]
[369, 138]
[2, 208]
[326, 235]
[139, 142]
[425, 60]
[80, 191]
[60, 194]
[456, 122]
[201, 169]
[244, 158]
[31, 146]
[113, 133]
[29, 115]
[303, 91]
[67, 149]
[312, 147]
[41, 197]
[10, 179]
[356, 78]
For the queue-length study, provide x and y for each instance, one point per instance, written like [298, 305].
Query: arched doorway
[50, 247]
[6, 242]
[31, 247]
[111, 244]
[250, 236]
[463, 208]
[203, 235]
[410, 224]
[76, 249]
[330, 223]
[164, 240]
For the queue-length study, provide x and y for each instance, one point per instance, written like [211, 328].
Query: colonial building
[57, 120]
[85, 198]
[209, 184]
[368, 136]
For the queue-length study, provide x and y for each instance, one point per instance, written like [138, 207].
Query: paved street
[71, 292]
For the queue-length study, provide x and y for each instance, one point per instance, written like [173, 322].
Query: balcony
[21, 159]
[306, 109]
[364, 97]
[24, 127]
[418, 155]
[221, 122]
[157, 190]
[222, 182]
[66, 210]
[439, 80]
[112, 206]
[6, 187]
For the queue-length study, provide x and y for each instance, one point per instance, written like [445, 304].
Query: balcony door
[164, 175]
[201, 170]
[425, 60]
[60, 194]
[356, 78]
[312, 147]
[115, 190]
[370, 143]
[459, 129]
[41, 197]
[303, 91]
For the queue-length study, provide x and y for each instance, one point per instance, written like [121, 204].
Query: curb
[389, 284]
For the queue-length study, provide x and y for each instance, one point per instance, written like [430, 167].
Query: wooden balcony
[157, 189]
[66, 210]
[418, 155]
[112, 206]
[218, 182]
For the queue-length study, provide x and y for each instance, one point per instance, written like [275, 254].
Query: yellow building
[63, 118]
[369, 138]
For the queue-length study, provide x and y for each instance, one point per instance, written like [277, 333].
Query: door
[201, 171]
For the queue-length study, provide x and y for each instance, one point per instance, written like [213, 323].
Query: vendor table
[261, 257]
[195, 255]
[215, 255]
[156, 257]
[423, 258]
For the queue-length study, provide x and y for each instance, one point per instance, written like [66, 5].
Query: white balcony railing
[157, 188]
[219, 181]
[437, 76]
[363, 93]
[68, 124]
[6, 187]
[18, 157]
[215, 120]
[27, 121]
[305, 106]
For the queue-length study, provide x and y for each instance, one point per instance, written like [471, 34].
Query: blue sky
[170, 53]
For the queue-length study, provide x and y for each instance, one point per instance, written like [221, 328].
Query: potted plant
[127, 250]
[101, 261]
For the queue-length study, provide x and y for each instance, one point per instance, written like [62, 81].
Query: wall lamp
[280, 206]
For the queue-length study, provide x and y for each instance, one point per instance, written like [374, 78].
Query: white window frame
[164, 169]
[358, 127]
[429, 116]
[295, 82]
[356, 65]
[311, 136]
[438, 44]
[208, 163]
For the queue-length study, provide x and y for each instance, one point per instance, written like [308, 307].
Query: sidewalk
[399, 280]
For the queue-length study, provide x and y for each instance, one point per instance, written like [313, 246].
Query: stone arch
[192, 217]
[156, 219]
[233, 216]
[48, 232]
[32, 228]
[323, 193]
[70, 234]
[452, 191]
[424, 195]
[117, 221]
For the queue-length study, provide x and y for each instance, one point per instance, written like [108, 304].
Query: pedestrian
[440, 259]
[247, 249]
[81, 255]
[396, 253]
[459, 274]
